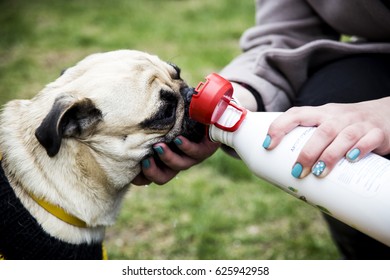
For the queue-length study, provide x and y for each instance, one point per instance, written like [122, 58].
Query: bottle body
[357, 194]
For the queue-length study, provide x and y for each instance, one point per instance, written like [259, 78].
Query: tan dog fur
[90, 173]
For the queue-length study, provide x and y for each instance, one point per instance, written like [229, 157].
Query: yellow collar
[59, 212]
[56, 210]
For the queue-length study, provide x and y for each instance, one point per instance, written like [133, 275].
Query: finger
[193, 153]
[157, 174]
[140, 180]
[198, 151]
[286, 122]
[315, 146]
[171, 159]
[368, 143]
[337, 149]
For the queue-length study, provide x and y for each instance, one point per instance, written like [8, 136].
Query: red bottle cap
[211, 99]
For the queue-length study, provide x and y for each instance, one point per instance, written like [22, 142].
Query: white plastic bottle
[357, 194]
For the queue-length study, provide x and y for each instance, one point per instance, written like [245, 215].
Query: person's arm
[281, 26]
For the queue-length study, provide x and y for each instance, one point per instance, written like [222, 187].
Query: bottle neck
[223, 130]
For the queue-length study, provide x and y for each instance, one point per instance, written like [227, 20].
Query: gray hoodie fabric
[293, 38]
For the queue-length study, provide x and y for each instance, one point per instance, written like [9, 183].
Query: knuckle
[350, 134]
[330, 158]
[327, 130]
[379, 134]
[159, 182]
[381, 144]
[293, 110]
[169, 160]
[307, 156]
[297, 110]
[163, 178]
[274, 127]
[191, 149]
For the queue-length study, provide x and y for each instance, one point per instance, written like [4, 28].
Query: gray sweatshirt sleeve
[290, 40]
[282, 26]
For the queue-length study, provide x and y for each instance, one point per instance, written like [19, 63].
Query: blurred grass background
[216, 210]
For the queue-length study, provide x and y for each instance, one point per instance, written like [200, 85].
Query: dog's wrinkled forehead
[115, 93]
[124, 79]
[122, 63]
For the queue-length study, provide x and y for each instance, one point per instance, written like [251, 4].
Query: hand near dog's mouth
[185, 151]
[171, 163]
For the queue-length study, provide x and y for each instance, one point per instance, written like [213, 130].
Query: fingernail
[267, 142]
[178, 141]
[297, 170]
[353, 154]
[159, 150]
[145, 163]
[318, 168]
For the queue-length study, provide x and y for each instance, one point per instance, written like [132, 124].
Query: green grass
[216, 210]
[208, 213]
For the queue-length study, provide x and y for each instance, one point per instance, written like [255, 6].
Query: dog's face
[118, 104]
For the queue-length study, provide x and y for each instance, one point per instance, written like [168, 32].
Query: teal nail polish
[159, 150]
[318, 168]
[267, 142]
[145, 163]
[353, 154]
[297, 170]
[178, 141]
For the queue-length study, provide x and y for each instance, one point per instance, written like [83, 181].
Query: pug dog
[70, 153]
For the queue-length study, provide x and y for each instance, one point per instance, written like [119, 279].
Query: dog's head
[119, 104]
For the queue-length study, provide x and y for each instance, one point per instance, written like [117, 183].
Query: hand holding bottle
[344, 130]
[355, 193]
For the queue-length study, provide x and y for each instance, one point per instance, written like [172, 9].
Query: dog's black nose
[187, 93]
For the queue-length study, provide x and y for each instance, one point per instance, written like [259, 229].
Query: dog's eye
[176, 75]
[166, 113]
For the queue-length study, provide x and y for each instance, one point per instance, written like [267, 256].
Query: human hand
[350, 130]
[173, 163]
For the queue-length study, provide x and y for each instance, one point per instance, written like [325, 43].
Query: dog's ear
[69, 117]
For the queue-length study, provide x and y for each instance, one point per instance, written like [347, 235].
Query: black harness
[21, 236]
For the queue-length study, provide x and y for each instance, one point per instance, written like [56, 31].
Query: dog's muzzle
[187, 93]
[191, 129]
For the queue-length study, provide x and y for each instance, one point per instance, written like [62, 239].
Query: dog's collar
[59, 212]
[22, 237]
[56, 210]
